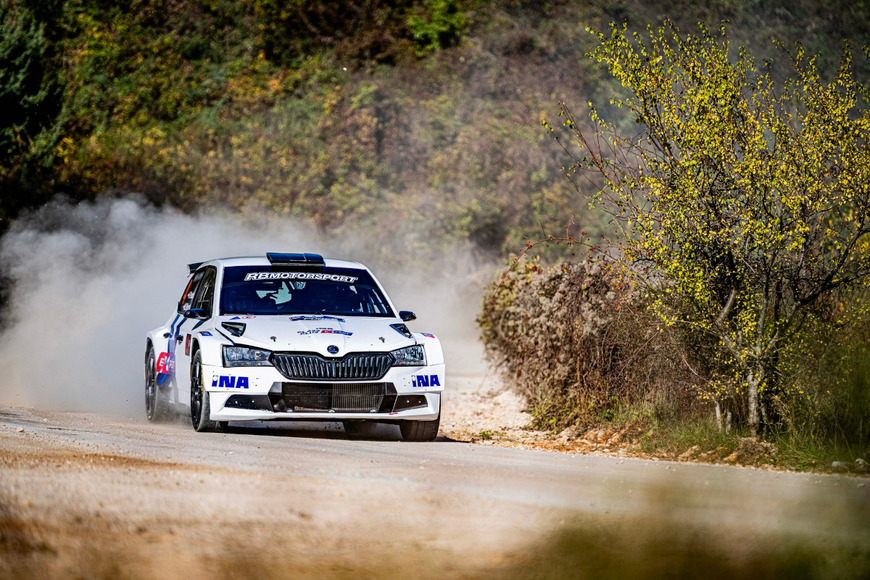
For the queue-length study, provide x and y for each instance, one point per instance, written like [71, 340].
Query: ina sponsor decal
[229, 382]
[425, 381]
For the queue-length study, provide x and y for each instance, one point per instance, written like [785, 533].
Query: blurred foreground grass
[639, 547]
[602, 546]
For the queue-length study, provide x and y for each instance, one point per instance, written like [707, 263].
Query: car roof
[263, 261]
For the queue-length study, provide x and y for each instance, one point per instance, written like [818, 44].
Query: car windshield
[264, 290]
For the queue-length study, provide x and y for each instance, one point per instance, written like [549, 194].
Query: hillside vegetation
[338, 112]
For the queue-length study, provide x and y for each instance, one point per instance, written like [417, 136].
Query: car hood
[317, 333]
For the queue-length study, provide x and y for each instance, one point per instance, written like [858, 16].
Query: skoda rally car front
[293, 337]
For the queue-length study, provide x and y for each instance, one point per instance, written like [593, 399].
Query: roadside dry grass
[496, 416]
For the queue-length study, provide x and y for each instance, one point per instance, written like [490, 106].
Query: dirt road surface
[92, 496]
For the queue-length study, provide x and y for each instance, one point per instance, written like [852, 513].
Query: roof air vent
[297, 260]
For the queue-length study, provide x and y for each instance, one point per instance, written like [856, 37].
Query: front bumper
[262, 393]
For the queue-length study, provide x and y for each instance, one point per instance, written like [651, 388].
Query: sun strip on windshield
[257, 276]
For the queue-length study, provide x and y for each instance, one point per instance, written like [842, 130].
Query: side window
[205, 293]
[186, 302]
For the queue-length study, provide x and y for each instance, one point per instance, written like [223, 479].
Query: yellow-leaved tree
[743, 199]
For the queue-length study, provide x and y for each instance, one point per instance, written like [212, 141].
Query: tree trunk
[752, 382]
[723, 420]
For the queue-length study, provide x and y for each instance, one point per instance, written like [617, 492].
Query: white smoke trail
[89, 280]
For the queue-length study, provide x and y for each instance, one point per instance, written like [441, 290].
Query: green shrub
[383, 31]
[441, 25]
[30, 101]
[826, 397]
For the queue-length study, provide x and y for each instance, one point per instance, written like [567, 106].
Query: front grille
[352, 367]
[338, 397]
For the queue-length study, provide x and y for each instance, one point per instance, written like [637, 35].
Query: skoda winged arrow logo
[332, 349]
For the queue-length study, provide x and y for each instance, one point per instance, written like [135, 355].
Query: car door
[200, 295]
[180, 372]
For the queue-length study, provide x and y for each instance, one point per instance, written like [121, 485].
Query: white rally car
[292, 337]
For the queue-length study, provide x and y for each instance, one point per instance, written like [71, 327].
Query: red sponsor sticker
[165, 363]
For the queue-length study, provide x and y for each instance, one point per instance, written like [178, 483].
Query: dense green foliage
[30, 100]
[329, 112]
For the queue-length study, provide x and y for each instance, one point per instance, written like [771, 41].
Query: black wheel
[420, 430]
[200, 408]
[156, 406]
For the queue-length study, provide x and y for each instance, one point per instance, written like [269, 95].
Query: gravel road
[84, 495]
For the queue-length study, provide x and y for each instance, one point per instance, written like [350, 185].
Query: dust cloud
[89, 280]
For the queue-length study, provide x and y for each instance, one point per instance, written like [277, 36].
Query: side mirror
[407, 315]
[199, 313]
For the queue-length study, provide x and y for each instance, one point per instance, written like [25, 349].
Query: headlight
[412, 356]
[243, 356]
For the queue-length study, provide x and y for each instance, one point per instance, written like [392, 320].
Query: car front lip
[222, 383]
[429, 413]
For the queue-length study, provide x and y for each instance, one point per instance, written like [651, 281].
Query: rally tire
[200, 404]
[157, 407]
[420, 430]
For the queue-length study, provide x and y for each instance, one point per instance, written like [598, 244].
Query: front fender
[210, 345]
[430, 342]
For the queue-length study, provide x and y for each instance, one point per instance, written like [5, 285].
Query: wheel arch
[209, 348]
